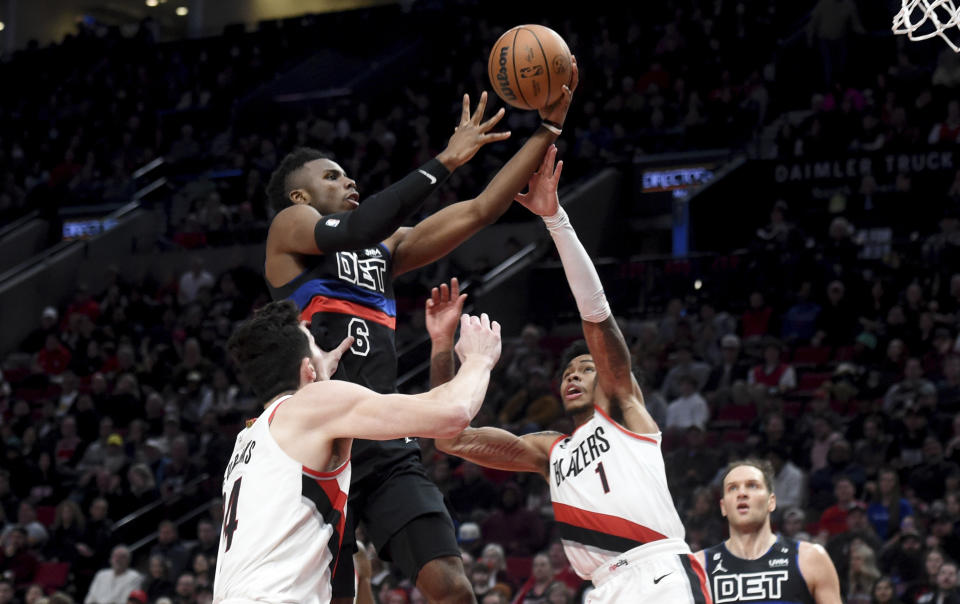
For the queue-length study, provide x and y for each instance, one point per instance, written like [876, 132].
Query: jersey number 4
[230, 521]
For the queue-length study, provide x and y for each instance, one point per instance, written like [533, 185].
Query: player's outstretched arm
[604, 339]
[437, 235]
[819, 572]
[442, 313]
[301, 229]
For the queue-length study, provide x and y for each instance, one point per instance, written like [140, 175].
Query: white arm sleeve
[581, 274]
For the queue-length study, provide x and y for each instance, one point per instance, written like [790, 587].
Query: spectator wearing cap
[902, 556]
[731, 370]
[773, 375]
[112, 585]
[468, 536]
[689, 409]
[888, 508]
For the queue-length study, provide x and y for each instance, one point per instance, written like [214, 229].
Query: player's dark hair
[574, 350]
[765, 467]
[268, 348]
[278, 189]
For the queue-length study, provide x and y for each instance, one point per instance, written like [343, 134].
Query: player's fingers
[546, 166]
[460, 299]
[557, 171]
[444, 292]
[490, 123]
[465, 111]
[493, 137]
[344, 345]
[481, 107]
[464, 321]
[484, 321]
[520, 197]
[454, 287]
[495, 326]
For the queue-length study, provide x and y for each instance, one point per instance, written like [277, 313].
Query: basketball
[529, 66]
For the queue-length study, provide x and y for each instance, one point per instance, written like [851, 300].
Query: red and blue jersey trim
[332, 295]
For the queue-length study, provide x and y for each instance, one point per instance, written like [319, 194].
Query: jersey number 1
[230, 521]
[603, 477]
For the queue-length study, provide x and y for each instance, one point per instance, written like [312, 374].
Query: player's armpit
[818, 570]
[501, 450]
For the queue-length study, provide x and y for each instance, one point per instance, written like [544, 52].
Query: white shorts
[663, 571]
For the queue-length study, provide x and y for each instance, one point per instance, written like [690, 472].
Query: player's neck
[751, 544]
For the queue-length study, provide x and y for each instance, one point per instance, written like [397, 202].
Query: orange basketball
[528, 66]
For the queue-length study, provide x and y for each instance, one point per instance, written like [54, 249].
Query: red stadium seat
[519, 568]
[811, 355]
[46, 514]
[51, 575]
[811, 380]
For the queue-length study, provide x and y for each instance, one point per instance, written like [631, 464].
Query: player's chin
[577, 408]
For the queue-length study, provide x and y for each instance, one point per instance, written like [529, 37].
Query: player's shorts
[407, 506]
[660, 572]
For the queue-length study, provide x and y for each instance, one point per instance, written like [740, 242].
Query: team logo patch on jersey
[332, 222]
[777, 562]
[719, 567]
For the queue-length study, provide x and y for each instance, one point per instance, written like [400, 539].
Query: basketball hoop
[924, 19]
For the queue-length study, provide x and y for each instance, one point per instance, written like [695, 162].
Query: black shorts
[406, 520]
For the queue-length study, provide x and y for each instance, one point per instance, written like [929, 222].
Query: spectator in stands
[908, 390]
[112, 585]
[17, 562]
[756, 321]
[193, 280]
[533, 407]
[772, 375]
[66, 532]
[948, 389]
[534, 591]
[38, 337]
[481, 578]
[6, 591]
[799, 322]
[862, 574]
[54, 358]
[888, 508]
[858, 531]
[185, 590]
[947, 131]
[169, 546]
[833, 521]
[563, 572]
[837, 321]
[684, 365]
[871, 450]
[789, 481]
[208, 539]
[472, 490]
[690, 408]
[927, 478]
[692, 464]
[902, 556]
[177, 472]
[730, 371]
[157, 583]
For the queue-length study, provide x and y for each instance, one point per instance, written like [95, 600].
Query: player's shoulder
[813, 558]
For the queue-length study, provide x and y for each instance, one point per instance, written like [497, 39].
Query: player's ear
[308, 374]
[299, 196]
[772, 505]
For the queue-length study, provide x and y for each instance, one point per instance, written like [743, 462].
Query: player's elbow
[456, 421]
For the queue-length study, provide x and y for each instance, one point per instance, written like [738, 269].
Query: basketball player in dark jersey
[337, 259]
[754, 565]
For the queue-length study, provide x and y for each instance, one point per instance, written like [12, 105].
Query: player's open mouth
[743, 507]
[354, 198]
[572, 392]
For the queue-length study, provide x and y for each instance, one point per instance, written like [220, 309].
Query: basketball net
[923, 19]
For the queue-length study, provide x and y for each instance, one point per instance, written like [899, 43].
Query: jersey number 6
[360, 331]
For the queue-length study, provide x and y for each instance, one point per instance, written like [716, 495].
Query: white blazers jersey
[282, 524]
[609, 491]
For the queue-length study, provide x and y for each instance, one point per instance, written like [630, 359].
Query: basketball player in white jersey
[756, 565]
[611, 502]
[287, 482]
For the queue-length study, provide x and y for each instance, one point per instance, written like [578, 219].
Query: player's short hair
[765, 467]
[278, 187]
[574, 350]
[268, 348]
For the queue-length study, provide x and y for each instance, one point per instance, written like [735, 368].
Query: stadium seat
[519, 568]
[46, 514]
[811, 380]
[811, 355]
[51, 575]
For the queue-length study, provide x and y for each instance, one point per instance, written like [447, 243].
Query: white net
[924, 19]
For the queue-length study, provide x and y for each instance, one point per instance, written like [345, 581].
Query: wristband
[553, 127]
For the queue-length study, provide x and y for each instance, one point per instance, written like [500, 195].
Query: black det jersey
[774, 577]
[351, 294]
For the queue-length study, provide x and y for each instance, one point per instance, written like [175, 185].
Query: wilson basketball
[528, 66]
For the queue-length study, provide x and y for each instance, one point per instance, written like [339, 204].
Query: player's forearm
[579, 269]
[490, 448]
[380, 214]
[468, 387]
[441, 362]
[513, 177]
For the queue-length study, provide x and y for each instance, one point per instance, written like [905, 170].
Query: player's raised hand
[478, 337]
[443, 310]
[471, 134]
[541, 198]
[556, 112]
